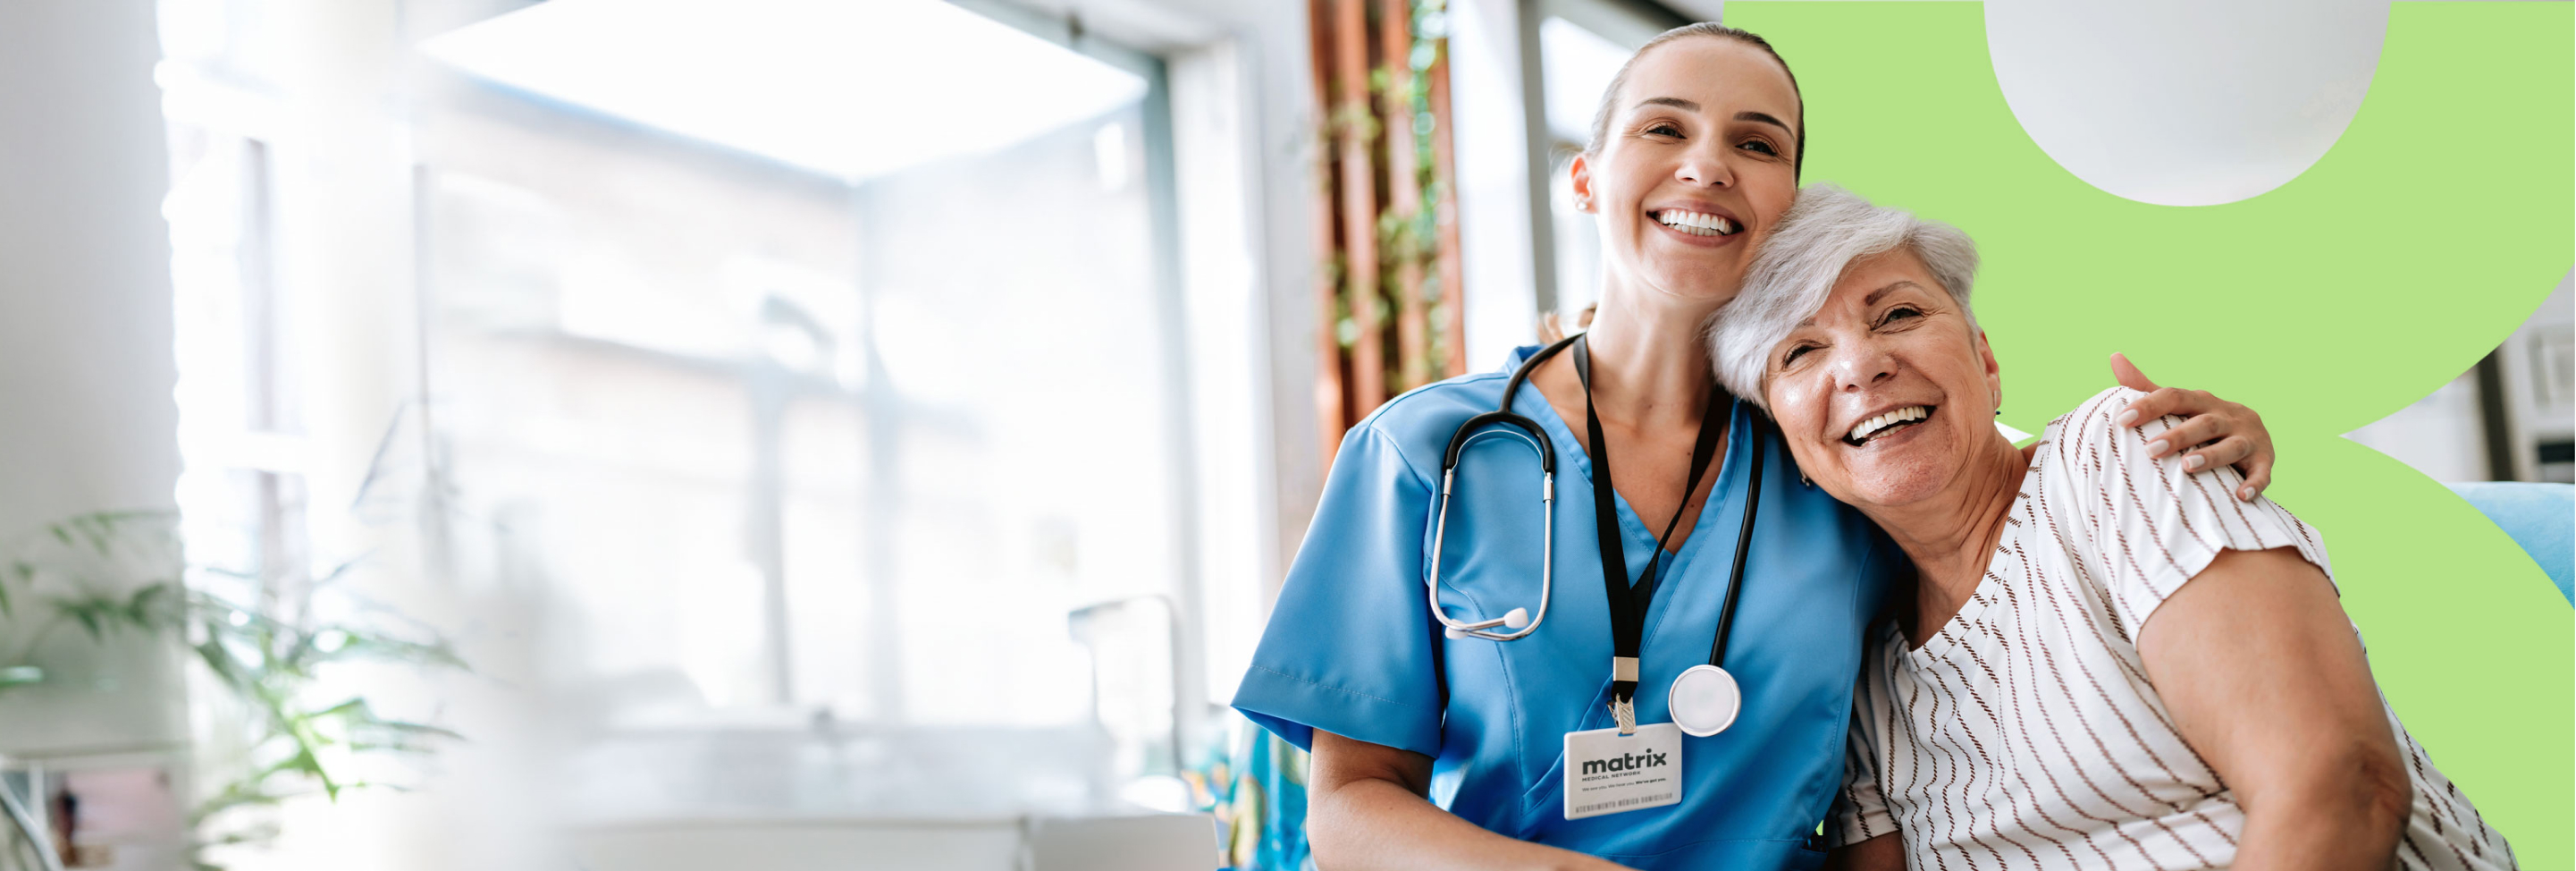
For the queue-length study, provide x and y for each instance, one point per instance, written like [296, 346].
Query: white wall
[86, 416]
[2440, 435]
[86, 419]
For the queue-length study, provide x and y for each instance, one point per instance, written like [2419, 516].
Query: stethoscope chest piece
[1705, 700]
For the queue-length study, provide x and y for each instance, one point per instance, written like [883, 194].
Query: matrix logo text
[1623, 762]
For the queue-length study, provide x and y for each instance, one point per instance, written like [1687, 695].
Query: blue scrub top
[1352, 648]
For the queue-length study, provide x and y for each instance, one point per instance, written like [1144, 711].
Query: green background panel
[2433, 228]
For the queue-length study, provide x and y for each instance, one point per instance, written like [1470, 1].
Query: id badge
[1606, 773]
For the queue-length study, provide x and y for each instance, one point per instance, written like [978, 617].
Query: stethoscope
[1705, 699]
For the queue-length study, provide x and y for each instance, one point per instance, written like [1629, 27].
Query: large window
[1581, 44]
[793, 372]
[823, 378]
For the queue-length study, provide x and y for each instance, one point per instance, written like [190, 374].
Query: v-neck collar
[1725, 494]
[2005, 566]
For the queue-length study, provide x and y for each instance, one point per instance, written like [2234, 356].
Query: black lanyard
[1628, 602]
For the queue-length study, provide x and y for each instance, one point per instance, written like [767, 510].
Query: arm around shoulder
[2149, 523]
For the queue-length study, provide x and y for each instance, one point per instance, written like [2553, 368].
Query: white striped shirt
[2025, 735]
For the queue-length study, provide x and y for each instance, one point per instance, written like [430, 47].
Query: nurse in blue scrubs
[1443, 749]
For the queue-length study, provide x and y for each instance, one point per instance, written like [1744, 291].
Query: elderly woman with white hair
[2103, 661]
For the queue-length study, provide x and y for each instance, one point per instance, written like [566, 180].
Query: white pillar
[342, 171]
[1509, 271]
[87, 421]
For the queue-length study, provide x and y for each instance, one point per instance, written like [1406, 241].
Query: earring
[1803, 479]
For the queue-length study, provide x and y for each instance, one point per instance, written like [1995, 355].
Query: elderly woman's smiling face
[1886, 392]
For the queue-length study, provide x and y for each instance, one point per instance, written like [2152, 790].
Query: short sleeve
[1350, 644]
[1860, 810]
[2155, 525]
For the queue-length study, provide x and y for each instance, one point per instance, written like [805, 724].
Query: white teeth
[1873, 425]
[1695, 223]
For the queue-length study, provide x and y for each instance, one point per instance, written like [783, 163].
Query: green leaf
[144, 608]
[219, 659]
[357, 705]
[360, 645]
[88, 617]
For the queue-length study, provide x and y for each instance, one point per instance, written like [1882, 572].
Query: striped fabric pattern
[2025, 735]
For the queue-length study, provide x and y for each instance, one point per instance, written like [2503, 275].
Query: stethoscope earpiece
[1516, 618]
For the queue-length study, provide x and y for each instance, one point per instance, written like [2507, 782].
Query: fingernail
[2194, 462]
[2126, 418]
[2246, 494]
[2157, 447]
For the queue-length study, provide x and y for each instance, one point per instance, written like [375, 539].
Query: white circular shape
[2185, 102]
[1454, 632]
[1516, 618]
[1705, 700]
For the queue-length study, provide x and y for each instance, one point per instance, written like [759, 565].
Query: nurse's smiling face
[1887, 393]
[1694, 167]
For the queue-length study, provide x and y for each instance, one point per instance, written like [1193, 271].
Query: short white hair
[1824, 231]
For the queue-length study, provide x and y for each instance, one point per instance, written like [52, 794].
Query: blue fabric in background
[1256, 787]
[2540, 517]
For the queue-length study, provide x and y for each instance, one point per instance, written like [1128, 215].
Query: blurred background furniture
[1158, 842]
[26, 844]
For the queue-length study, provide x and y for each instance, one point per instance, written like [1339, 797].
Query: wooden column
[1353, 123]
[1404, 189]
[1333, 414]
[1387, 222]
[1444, 172]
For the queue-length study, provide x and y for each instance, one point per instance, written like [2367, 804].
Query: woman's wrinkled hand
[2219, 432]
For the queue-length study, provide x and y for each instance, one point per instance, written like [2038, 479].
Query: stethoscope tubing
[1743, 549]
[1530, 433]
[1527, 431]
[1705, 699]
[1546, 572]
